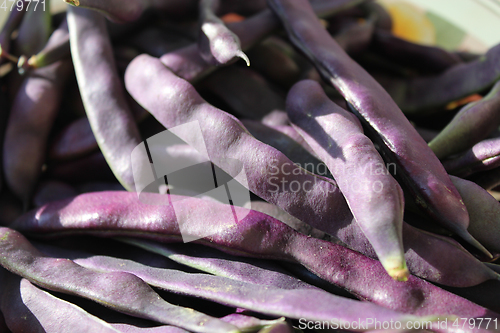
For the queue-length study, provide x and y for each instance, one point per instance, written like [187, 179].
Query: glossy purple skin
[38, 308]
[270, 173]
[112, 214]
[74, 141]
[426, 58]
[216, 43]
[31, 118]
[483, 156]
[311, 303]
[337, 138]
[429, 93]
[328, 213]
[484, 212]
[419, 168]
[63, 275]
[472, 124]
[102, 92]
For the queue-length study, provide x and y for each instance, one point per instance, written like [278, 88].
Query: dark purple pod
[216, 43]
[49, 191]
[188, 63]
[483, 156]
[487, 179]
[484, 212]
[102, 92]
[42, 312]
[356, 35]
[29, 126]
[122, 214]
[400, 143]
[422, 57]
[64, 275]
[429, 93]
[377, 200]
[274, 59]
[472, 124]
[74, 141]
[270, 174]
[246, 92]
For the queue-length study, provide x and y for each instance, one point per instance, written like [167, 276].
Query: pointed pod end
[472, 241]
[242, 55]
[73, 2]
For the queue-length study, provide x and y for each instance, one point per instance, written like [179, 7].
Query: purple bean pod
[63, 275]
[337, 138]
[216, 43]
[38, 309]
[419, 168]
[29, 127]
[75, 140]
[188, 63]
[426, 58]
[102, 92]
[483, 156]
[257, 235]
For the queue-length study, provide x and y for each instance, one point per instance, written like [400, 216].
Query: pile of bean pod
[373, 165]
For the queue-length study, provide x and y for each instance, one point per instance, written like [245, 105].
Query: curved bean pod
[29, 125]
[270, 173]
[256, 235]
[426, 58]
[52, 52]
[216, 43]
[311, 303]
[377, 205]
[63, 275]
[38, 308]
[76, 140]
[188, 63]
[102, 92]
[483, 156]
[422, 94]
[472, 124]
[419, 168]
